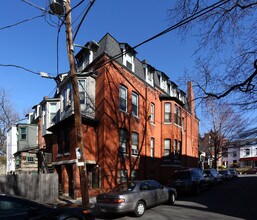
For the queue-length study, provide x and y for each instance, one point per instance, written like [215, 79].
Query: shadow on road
[236, 198]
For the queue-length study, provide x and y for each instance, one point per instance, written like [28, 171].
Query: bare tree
[8, 116]
[226, 126]
[227, 47]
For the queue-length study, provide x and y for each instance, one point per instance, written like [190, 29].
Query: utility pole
[77, 113]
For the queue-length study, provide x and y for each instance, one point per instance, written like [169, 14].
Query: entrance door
[69, 169]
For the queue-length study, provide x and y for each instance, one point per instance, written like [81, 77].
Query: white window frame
[167, 147]
[82, 91]
[134, 100]
[152, 147]
[123, 140]
[152, 113]
[167, 112]
[134, 143]
[125, 98]
[53, 108]
[23, 131]
[148, 76]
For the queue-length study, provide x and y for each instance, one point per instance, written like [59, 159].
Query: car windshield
[123, 187]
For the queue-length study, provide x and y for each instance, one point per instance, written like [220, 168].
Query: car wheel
[140, 209]
[171, 198]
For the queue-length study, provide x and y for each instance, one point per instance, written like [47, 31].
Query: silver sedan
[135, 196]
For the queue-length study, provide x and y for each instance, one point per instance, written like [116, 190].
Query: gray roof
[110, 46]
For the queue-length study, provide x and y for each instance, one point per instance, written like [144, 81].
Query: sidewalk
[68, 200]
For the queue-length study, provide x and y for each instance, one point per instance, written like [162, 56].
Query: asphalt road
[236, 199]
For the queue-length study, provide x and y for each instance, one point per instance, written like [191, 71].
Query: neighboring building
[248, 152]
[26, 160]
[11, 148]
[240, 153]
[137, 123]
[207, 151]
[231, 155]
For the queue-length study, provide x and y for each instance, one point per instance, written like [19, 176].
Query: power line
[173, 27]
[35, 6]
[20, 22]
[20, 67]
[91, 4]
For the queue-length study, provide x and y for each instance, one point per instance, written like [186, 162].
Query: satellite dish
[57, 6]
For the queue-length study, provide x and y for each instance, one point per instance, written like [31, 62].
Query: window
[66, 96]
[148, 75]
[224, 152]
[167, 148]
[134, 175]
[154, 184]
[152, 113]
[134, 146]
[122, 175]
[123, 134]
[177, 150]
[234, 154]
[167, 112]
[152, 147]
[177, 115]
[129, 64]
[29, 159]
[123, 98]
[96, 178]
[247, 152]
[53, 110]
[255, 151]
[129, 60]
[82, 91]
[23, 133]
[134, 104]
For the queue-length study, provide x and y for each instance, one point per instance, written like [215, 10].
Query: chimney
[191, 97]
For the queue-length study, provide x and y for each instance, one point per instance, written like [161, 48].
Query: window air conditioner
[134, 151]
[122, 150]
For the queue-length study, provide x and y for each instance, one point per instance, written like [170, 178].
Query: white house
[11, 148]
[248, 152]
[241, 153]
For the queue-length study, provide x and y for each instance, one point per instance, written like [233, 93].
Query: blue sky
[33, 44]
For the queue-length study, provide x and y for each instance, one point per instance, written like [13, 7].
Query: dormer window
[128, 56]
[163, 84]
[148, 75]
[66, 97]
[84, 59]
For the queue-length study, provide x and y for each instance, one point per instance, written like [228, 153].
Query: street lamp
[46, 75]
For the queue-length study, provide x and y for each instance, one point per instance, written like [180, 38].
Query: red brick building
[137, 123]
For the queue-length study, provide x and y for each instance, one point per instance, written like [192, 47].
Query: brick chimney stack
[191, 97]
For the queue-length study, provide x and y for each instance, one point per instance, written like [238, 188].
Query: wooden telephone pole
[77, 113]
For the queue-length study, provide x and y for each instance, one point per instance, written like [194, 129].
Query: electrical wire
[173, 27]
[82, 12]
[35, 6]
[88, 9]
[21, 67]
[20, 22]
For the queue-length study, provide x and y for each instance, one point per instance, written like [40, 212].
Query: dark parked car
[135, 196]
[226, 174]
[18, 208]
[233, 173]
[190, 181]
[214, 176]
